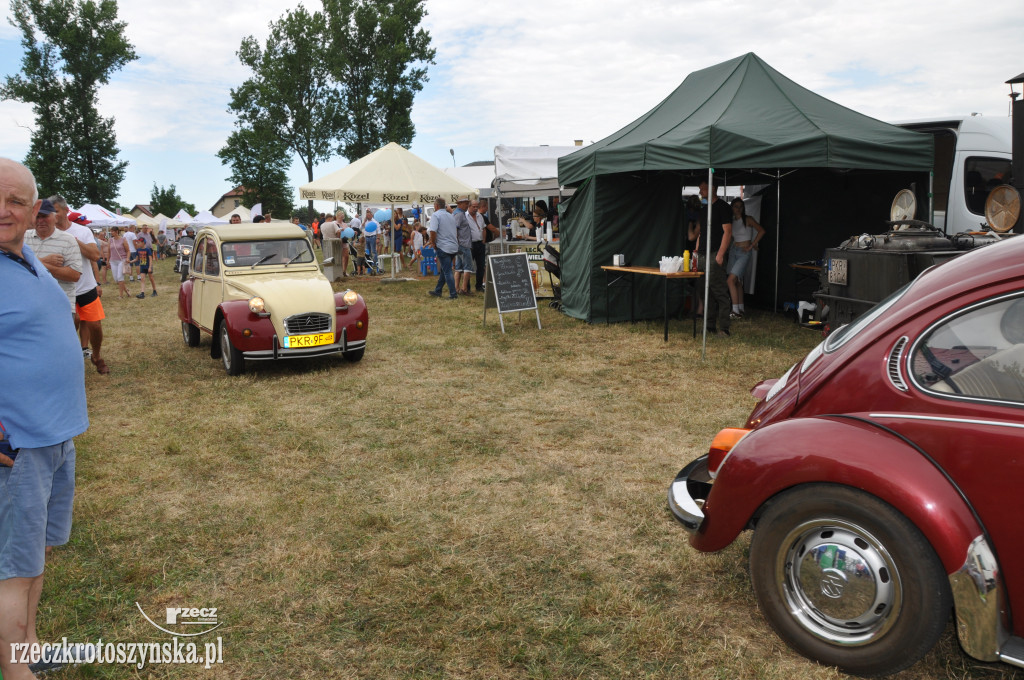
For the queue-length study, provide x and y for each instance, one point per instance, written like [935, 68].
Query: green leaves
[71, 48]
[168, 202]
[259, 164]
[337, 81]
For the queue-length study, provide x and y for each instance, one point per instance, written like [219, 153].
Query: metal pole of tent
[707, 270]
[778, 233]
[392, 240]
[931, 201]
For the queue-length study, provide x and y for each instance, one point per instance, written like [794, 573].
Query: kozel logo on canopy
[395, 198]
[349, 196]
[308, 194]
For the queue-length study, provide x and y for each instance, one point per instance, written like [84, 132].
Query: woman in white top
[746, 233]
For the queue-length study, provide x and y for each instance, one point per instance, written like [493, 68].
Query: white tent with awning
[99, 216]
[390, 175]
[243, 214]
[205, 217]
[528, 170]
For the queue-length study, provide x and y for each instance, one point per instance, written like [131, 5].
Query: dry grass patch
[460, 504]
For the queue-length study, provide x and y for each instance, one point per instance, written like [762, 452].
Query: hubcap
[839, 581]
[225, 348]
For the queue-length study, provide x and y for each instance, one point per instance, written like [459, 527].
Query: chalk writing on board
[513, 284]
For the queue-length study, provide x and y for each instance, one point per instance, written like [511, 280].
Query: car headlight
[351, 297]
[257, 306]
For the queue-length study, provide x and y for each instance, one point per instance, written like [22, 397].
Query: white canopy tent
[390, 175]
[243, 213]
[144, 220]
[528, 170]
[205, 217]
[99, 216]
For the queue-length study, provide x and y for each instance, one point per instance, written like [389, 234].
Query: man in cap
[57, 250]
[42, 407]
[89, 312]
[464, 267]
[444, 239]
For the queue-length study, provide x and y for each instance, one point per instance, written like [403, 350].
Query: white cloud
[538, 71]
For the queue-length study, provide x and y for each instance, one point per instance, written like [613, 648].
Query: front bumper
[278, 352]
[687, 494]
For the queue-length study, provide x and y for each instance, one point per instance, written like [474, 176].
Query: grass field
[460, 504]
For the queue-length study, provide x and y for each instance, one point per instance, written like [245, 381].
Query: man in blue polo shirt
[444, 239]
[42, 406]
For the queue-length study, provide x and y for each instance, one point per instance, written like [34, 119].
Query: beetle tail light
[721, 445]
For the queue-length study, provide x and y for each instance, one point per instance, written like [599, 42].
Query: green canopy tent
[740, 119]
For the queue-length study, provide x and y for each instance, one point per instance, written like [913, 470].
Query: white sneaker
[86, 353]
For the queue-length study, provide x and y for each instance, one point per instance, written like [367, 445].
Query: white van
[973, 155]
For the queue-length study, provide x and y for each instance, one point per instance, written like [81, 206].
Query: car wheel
[847, 580]
[190, 333]
[354, 355]
[229, 356]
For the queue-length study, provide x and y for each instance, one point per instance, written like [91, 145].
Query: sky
[543, 71]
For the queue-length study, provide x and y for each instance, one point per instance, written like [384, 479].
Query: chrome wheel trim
[184, 331]
[839, 582]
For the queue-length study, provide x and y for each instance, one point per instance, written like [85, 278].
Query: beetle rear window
[976, 354]
[269, 253]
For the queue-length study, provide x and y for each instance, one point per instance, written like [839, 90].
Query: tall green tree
[259, 163]
[292, 94]
[380, 53]
[72, 47]
[168, 202]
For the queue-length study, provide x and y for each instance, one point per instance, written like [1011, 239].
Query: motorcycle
[185, 244]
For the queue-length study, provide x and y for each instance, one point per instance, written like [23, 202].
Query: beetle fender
[237, 315]
[836, 450]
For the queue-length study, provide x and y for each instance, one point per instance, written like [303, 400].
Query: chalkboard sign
[513, 285]
[509, 285]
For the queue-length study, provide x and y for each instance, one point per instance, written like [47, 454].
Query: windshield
[839, 337]
[269, 253]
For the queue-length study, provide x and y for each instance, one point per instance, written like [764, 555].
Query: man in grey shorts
[42, 407]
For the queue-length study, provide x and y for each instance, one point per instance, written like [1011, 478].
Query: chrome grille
[895, 359]
[307, 323]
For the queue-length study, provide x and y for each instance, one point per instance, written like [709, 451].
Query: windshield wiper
[262, 260]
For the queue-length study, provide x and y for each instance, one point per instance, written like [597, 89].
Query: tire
[875, 609]
[232, 359]
[354, 355]
[190, 334]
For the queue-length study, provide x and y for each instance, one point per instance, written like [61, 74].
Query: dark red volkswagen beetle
[883, 477]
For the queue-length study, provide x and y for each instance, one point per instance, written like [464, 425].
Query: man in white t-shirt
[89, 313]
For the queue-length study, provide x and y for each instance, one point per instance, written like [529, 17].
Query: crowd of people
[404, 236]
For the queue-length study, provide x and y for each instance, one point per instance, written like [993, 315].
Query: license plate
[312, 340]
[837, 272]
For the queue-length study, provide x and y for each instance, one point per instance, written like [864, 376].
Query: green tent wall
[742, 118]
